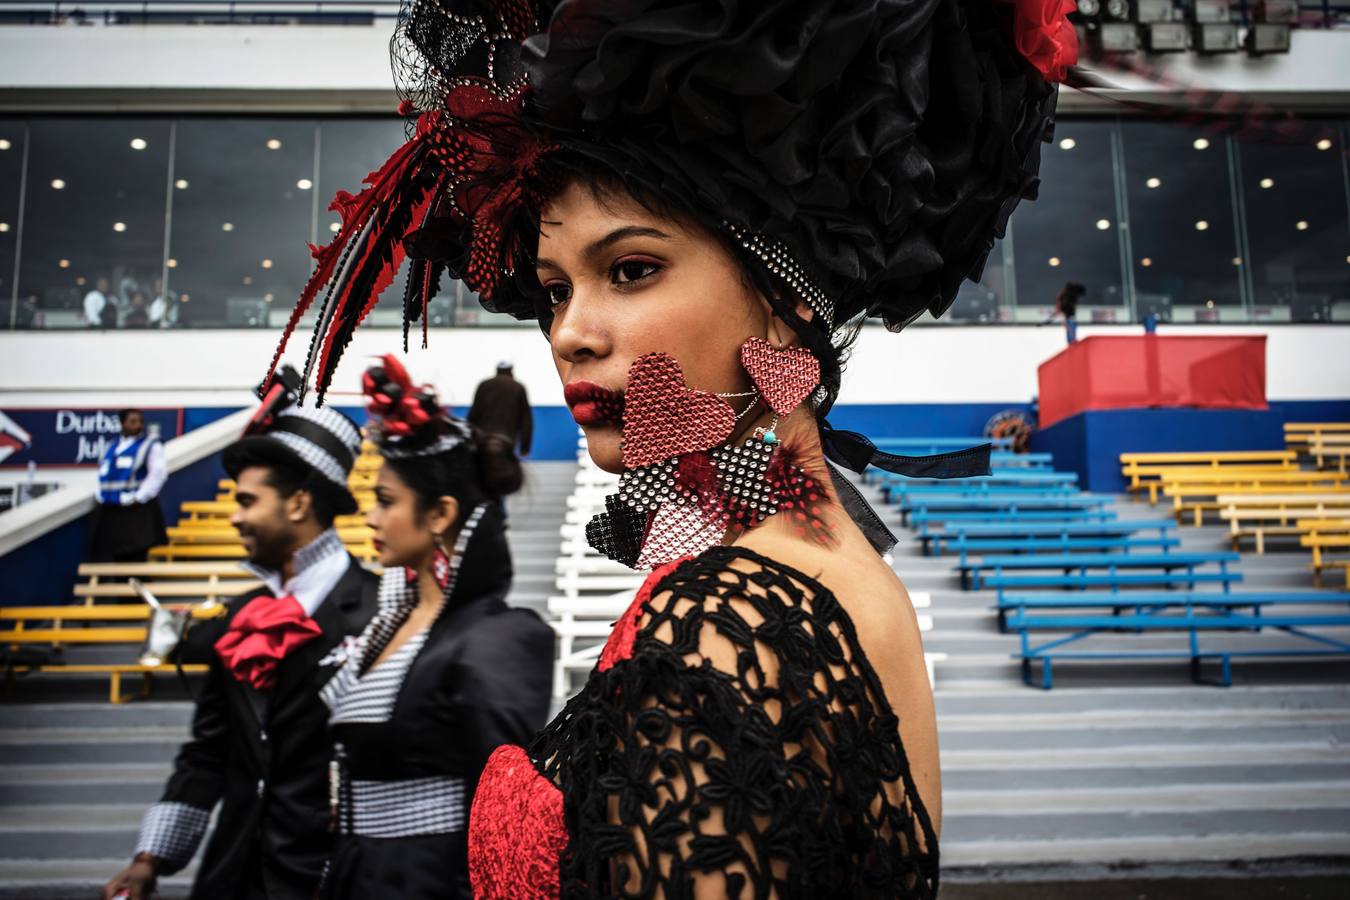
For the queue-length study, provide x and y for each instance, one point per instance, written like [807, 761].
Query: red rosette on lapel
[262, 635]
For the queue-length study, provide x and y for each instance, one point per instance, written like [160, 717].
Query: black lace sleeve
[744, 749]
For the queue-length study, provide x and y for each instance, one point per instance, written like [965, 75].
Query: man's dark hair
[327, 499]
[122, 414]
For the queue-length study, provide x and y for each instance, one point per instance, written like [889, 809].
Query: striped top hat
[284, 432]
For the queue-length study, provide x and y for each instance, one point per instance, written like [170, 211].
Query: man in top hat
[259, 745]
[501, 406]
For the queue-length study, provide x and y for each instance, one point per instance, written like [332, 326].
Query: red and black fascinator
[863, 154]
[407, 419]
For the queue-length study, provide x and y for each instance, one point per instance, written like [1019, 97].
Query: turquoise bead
[770, 437]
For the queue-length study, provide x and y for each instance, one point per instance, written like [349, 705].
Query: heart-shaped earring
[784, 377]
[664, 418]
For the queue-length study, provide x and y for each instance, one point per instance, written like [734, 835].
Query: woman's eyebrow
[600, 245]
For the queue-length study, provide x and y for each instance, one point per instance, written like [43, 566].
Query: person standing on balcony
[502, 406]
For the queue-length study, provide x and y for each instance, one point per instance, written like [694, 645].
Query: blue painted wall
[1090, 443]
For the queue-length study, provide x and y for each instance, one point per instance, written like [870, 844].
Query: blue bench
[1195, 619]
[998, 460]
[972, 570]
[975, 487]
[995, 476]
[1008, 503]
[964, 546]
[923, 518]
[933, 540]
[1140, 601]
[1112, 580]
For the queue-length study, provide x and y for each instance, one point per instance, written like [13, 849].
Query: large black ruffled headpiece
[862, 154]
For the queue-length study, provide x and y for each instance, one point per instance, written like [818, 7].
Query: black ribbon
[855, 452]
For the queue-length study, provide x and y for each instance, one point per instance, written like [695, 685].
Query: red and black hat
[862, 155]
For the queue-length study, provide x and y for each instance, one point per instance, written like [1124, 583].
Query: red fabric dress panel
[516, 830]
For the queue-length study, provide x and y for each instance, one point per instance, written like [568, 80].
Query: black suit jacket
[264, 756]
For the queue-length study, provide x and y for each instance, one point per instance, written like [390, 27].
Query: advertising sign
[71, 437]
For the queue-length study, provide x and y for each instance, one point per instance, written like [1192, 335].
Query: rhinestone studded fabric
[784, 377]
[776, 258]
[664, 418]
[682, 488]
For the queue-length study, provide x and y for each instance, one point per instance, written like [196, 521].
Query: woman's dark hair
[480, 469]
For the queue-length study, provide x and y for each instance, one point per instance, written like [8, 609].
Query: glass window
[348, 152]
[1071, 232]
[11, 171]
[1186, 264]
[1298, 236]
[244, 206]
[93, 230]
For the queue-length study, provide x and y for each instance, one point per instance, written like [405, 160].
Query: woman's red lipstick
[593, 405]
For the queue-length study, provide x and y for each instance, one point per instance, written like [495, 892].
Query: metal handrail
[180, 12]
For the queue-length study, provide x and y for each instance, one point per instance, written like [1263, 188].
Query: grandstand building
[174, 158]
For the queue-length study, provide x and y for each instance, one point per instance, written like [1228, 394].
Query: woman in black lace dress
[700, 202]
[445, 672]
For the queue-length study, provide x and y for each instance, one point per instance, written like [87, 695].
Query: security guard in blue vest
[129, 521]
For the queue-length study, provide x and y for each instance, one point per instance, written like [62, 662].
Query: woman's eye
[558, 293]
[631, 270]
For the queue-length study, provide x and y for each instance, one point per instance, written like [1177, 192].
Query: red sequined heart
[784, 377]
[663, 418]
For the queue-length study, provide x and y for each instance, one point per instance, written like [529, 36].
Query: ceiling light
[4, 144]
[119, 227]
[172, 263]
[81, 281]
[181, 184]
[64, 263]
[248, 279]
[335, 227]
[1103, 224]
[1301, 225]
[58, 184]
[1054, 261]
[184, 298]
[1068, 144]
[304, 184]
[138, 144]
[1209, 304]
[1324, 144]
[1237, 260]
[267, 264]
[1146, 261]
[1202, 225]
[1154, 182]
[1267, 183]
[273, 144]
[268, 298]
[1200, 143]
[4, 226]
[227, 226]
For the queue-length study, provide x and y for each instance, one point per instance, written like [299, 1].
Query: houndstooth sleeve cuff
[170, 832]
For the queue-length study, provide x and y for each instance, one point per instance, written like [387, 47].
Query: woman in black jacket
[446, 671]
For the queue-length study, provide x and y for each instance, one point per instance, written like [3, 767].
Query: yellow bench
[209, 591]
[362, 551]
[1197, 500]
[1321, 542]
[1140, 468]
[1259, 522]
[1274, 479]
[209, 532]
[1332, 449]
[1297, 435]
[114, 671]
